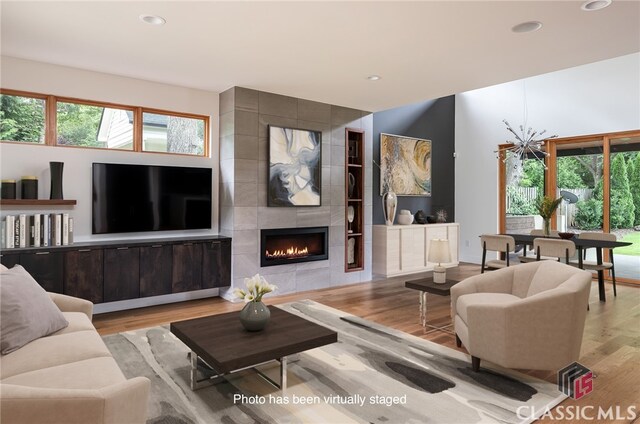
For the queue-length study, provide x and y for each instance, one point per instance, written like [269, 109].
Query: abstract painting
[405, 165]
[294, 167]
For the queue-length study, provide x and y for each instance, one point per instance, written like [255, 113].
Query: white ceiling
[321, 50]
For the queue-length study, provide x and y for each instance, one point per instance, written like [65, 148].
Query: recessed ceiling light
[152, 19]
[527, 27]
[374, 77]
[592, 5]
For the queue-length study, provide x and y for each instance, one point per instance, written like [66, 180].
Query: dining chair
[496, 243]
[593, 265]
[554, 249]
[538, 233]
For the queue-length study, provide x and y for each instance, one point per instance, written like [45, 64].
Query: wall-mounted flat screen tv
[132, 198]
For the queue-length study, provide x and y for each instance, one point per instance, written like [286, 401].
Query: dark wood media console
[128, 269]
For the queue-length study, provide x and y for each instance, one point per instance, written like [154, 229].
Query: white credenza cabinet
[404, 249]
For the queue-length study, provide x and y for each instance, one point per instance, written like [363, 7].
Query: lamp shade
[439, 251]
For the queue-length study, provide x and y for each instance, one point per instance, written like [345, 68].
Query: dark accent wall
[432, 120]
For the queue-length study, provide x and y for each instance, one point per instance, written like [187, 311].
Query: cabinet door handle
[42, 253]
[155, 246]
[187, 244]
[84, 250]
[122, 248]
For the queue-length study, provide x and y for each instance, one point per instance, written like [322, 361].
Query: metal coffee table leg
[283, 375]
[423, 317]
[216, 378]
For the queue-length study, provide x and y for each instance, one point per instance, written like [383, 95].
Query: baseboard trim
[122, 305]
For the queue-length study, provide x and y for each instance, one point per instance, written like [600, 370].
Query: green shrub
[622, 208]
[633, 170]
[589, 214]
[518, 205]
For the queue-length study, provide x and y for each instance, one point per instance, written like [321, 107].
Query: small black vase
[56, 179]
[420, 217]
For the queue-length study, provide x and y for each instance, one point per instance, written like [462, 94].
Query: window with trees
[172, 134]
[57, 121]
[87, 125]
[22, 118]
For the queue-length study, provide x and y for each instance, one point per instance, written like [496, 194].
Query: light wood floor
[610, 348]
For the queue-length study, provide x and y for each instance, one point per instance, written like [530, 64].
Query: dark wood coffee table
[225, 346]
[426, 285]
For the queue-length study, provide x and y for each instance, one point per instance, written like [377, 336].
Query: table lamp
[439, 253]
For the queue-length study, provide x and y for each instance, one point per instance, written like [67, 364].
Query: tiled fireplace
[291, 245]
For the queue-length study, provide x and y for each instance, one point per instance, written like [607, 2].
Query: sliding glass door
[579, 181]
[624, 201]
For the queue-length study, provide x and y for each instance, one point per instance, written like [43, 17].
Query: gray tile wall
[244, 118]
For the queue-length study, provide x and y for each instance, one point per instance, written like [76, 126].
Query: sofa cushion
[94, 373]
[78, 321]
[26, 311]
[3, 268]
[467, 300]
[53, 350]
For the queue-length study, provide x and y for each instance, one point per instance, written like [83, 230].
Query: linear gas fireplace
[290, 245]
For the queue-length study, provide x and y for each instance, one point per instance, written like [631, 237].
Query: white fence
[530, 194]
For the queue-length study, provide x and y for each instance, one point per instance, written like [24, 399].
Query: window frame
[179, 115]
[51, 124]
[47, 112]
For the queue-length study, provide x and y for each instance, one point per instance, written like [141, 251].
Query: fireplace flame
[291, 252]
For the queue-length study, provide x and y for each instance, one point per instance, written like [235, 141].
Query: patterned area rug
[374, 374]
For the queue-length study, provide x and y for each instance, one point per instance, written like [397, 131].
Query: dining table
[581, 245]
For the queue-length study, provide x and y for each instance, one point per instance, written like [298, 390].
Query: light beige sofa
[69, 377]
[528, 316]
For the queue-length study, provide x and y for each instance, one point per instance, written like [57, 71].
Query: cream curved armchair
[528, 316]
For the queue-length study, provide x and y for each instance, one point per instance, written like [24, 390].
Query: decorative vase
[351, 251]
[420, 217]
[389, 204]
[56, 179]
[254, 316]
[352, 184]
[547, 227]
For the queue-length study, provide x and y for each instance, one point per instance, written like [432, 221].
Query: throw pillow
[26, 310]
[3, 268]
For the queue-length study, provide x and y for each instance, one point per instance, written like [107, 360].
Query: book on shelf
[8, 239]
[70, 230]
[57, 235]
[47, 230]
[16, 231]
[38, 230]
[65, 229]
[22, 229]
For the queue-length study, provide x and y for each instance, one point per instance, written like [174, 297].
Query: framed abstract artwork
[294, 167]
[405, 165]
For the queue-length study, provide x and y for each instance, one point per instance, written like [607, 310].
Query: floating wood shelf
[37, 202]
[354, 165]
[354, 200]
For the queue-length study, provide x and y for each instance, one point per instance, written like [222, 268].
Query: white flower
[257, 286]
[239, 293]
[250, 283]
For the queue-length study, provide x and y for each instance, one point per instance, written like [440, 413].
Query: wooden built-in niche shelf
[354, 195]
[37, 202]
